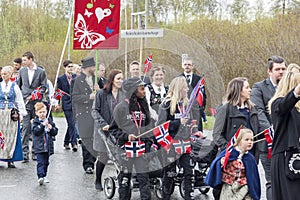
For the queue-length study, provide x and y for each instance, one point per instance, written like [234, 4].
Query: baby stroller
[203, 153]
[117, 156]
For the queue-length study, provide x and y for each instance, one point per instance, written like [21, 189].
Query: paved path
[68, 181]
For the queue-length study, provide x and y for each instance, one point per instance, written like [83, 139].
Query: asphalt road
[68, 181]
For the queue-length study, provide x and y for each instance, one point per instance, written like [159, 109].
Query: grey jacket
[102, 113]
[39, 80]
[83, 106]
[227, 122]
[261, 93]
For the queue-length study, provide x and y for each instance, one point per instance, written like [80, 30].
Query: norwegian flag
[36, 94]
[230, 146]
[194, 95]
[13, 79]
[200, 93]
[58, 94]
[182, 146]
[162, 135]
[269, 135]
[134, 149]
[2, 140]
[213, 111]
[148, 63]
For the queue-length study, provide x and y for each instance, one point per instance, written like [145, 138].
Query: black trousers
[124, 179]
[186, 162]
[88, 158]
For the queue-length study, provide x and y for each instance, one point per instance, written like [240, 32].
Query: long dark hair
[109, 83]
[144, 106]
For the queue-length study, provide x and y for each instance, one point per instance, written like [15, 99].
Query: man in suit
[63, 83]
[192, 80]
[30, 77]
[82, 99]
[135, 71]
[101, 74]
[261, 93]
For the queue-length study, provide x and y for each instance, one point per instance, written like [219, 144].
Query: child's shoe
[46, 180]
[41, 181]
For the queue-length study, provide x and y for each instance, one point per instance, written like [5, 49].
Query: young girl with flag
[172, 108]
[235, 169]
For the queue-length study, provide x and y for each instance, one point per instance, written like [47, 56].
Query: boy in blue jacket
[43, 130]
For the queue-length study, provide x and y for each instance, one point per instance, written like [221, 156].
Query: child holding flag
[235, 169]
[174, 108]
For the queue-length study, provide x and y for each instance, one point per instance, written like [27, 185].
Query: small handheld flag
[2, 140]
[230, 146]
[200, 97]
[269, 135]
[36, 94]
[161, 133]
[58, 94]
[134, 149]
[148, 63]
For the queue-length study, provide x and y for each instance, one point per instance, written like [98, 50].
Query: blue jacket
[214, 175]
[63, 84]
[42, 140]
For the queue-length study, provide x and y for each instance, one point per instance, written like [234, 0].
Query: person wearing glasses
[63, 83]
[192, 80]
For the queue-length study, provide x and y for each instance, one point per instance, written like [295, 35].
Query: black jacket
[42, 140]
[286, 124]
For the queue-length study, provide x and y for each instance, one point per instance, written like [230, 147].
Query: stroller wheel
[204, 189]
[109, 187]
[181, 189]
[158, 189]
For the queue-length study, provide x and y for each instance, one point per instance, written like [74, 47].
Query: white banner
[146, 33]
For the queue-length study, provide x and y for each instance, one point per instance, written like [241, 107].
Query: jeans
[42, 164]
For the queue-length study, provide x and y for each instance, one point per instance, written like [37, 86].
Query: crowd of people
[98, 107]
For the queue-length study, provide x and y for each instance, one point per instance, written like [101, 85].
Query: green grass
[210, 123]
[58, 114]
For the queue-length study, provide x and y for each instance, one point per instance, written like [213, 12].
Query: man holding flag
[192, 80]
[64, 83]
[135, 71]
[30, 78]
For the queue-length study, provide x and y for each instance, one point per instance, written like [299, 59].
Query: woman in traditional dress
[156, 91]
[10, 137]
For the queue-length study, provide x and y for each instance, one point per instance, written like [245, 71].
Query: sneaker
[41, 181]
[34, 157]
[67, 147]
[89, 170]
[46, 180]
[74, 148]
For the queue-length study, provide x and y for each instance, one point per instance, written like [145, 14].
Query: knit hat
[130, 85]
[88, 62]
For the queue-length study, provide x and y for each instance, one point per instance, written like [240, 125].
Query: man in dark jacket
[192, 80]
[64, 83]
[261, 93]
[82, 99]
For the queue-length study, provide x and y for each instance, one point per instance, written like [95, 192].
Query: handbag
[292, 164]
[14, 114]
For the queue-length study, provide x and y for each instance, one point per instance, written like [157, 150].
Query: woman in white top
[156, 91]
[10, 137]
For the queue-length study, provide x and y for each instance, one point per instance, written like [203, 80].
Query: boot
[99, 169]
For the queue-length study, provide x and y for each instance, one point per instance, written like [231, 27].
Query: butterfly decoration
[86, 37]
[87, 13]
[109, 31]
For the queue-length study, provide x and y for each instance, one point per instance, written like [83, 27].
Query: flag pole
[97, 66]
[62, 55]
[145, 133]
[259, 134]
[258, 140]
